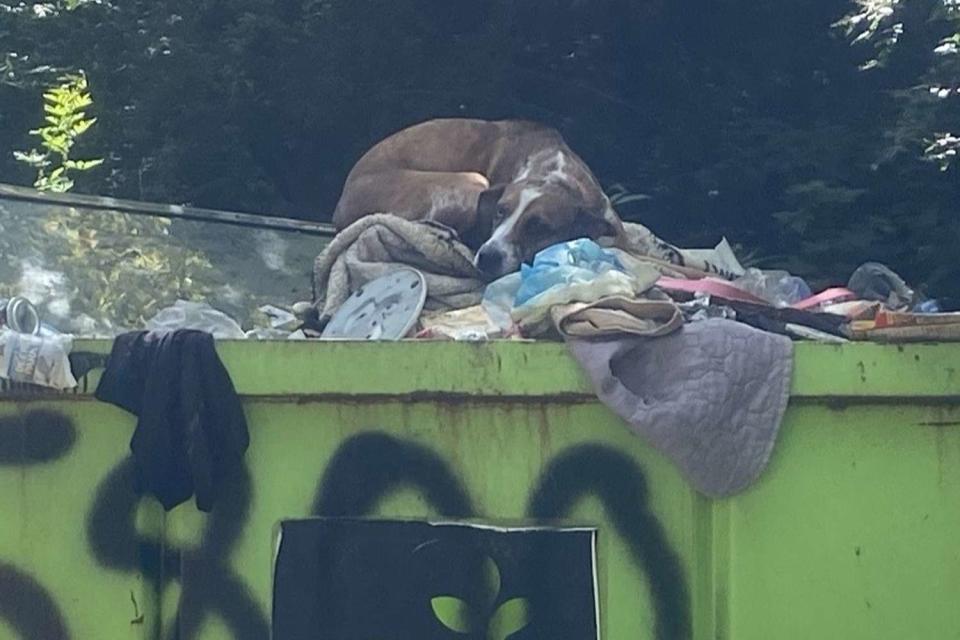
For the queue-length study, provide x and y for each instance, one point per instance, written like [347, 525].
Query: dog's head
[527, 216]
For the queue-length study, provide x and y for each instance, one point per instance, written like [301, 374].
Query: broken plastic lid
[20, 315]
[383, 309]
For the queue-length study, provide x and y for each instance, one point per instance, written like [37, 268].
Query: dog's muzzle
[490, 262]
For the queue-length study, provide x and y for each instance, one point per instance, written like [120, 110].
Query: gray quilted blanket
[710, 396]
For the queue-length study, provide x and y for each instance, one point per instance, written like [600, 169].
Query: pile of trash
[581, 289]
[388, 279]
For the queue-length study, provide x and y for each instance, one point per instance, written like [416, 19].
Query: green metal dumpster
[851, 533]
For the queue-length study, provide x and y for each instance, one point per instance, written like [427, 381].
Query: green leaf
[56, 109]
[61, 185]
[82, 126]
[510, 617]
[452, 612]
[32, 158]
[83, 165]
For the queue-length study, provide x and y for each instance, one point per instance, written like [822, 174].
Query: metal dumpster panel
[850, 532]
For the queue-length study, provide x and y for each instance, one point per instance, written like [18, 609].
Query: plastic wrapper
[779, 288]
[576, 271]
[498, 300]
[198, 316]
[37, 359]
[471, 324]
[564, 264]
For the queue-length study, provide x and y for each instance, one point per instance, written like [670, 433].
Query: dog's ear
[482, 227]
[487, 206]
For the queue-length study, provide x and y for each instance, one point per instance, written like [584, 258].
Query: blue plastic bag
[562, 264]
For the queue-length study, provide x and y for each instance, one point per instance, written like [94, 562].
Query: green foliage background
[117, 267]
[748, 118]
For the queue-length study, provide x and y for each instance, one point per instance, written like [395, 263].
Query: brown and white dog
[508, 188]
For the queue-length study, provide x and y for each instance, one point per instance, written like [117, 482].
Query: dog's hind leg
[450, 198]
[445, 197]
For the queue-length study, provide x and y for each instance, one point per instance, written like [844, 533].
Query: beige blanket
[378, 244]
[381, 243]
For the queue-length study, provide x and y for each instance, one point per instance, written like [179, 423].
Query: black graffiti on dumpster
[35, 437]
[367, 467]
[27, 608]
[619, 483]
[208, 584]
[31, 438]
[364, 470]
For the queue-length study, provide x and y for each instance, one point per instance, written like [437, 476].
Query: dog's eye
[535, 227]
[502, 211]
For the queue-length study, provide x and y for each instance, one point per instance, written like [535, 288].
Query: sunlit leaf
[83, 165]
[453, 612]
[510, 617]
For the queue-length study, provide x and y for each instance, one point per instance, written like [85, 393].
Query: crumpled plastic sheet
[576, 271]
[200, 316]
[37, 359]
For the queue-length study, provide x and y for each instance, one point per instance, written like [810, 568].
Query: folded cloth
[379, 244]
[709, 396]
[616, 316]
[191, 433]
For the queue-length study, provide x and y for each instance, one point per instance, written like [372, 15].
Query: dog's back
[458, 145]
[437, 169]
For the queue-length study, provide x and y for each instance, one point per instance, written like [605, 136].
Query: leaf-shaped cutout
[491, 583]
[452, 612]
[510, 617]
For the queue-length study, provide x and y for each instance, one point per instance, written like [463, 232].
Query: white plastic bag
[498, 300]
[779, 288]
[42, 360]
[199, 316]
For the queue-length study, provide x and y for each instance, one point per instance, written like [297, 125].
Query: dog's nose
[490, 261]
